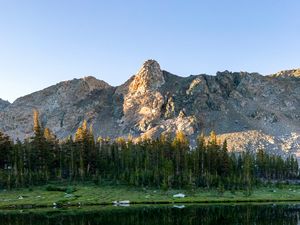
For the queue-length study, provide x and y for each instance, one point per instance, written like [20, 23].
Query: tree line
[166, 162]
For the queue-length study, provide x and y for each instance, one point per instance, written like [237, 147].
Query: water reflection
[159, 215]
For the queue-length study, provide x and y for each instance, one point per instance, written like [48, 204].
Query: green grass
[89, 194]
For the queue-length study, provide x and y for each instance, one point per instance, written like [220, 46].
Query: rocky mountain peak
[149, 77]
[249, 110]
[94, 83]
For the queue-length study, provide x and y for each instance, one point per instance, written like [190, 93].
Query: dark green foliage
[68, 190]
[55, 188]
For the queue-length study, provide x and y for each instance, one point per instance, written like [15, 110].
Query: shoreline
[92, 195]
[204, 202]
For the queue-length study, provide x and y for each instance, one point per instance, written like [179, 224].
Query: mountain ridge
[241, 107]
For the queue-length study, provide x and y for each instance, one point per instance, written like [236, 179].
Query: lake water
[158, 215]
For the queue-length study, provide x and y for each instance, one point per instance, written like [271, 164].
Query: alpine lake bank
[80, 195]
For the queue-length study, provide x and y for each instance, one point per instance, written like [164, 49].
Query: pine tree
[224, 161]
[81, 139]
[40, 155]
[200, 160]
[181, 148]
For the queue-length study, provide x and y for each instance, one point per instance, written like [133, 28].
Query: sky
[45, 42]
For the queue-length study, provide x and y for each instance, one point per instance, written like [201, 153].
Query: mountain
[249, 110]
[3, 104]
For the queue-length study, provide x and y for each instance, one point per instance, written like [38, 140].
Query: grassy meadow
[89, 195]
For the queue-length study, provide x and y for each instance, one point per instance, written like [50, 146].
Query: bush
[221, 189]
[67, 190]
[70, 190]
[55, 188]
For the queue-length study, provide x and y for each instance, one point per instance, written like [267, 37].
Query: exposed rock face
[149, 78]
[250, 110]
[143, 101]
[62, 108]
[3, 104]
[288, 74]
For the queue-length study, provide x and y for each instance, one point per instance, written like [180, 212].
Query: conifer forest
[166, 162]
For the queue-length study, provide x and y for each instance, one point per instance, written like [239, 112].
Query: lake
[271, 214]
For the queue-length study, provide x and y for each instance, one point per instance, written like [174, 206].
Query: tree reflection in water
[161, 215]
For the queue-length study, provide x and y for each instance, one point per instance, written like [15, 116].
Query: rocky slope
[249, 110]
[3, 104]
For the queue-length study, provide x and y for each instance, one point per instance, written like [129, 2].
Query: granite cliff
[248, 109]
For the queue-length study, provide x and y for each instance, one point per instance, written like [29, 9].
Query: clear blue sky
[43, 42]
